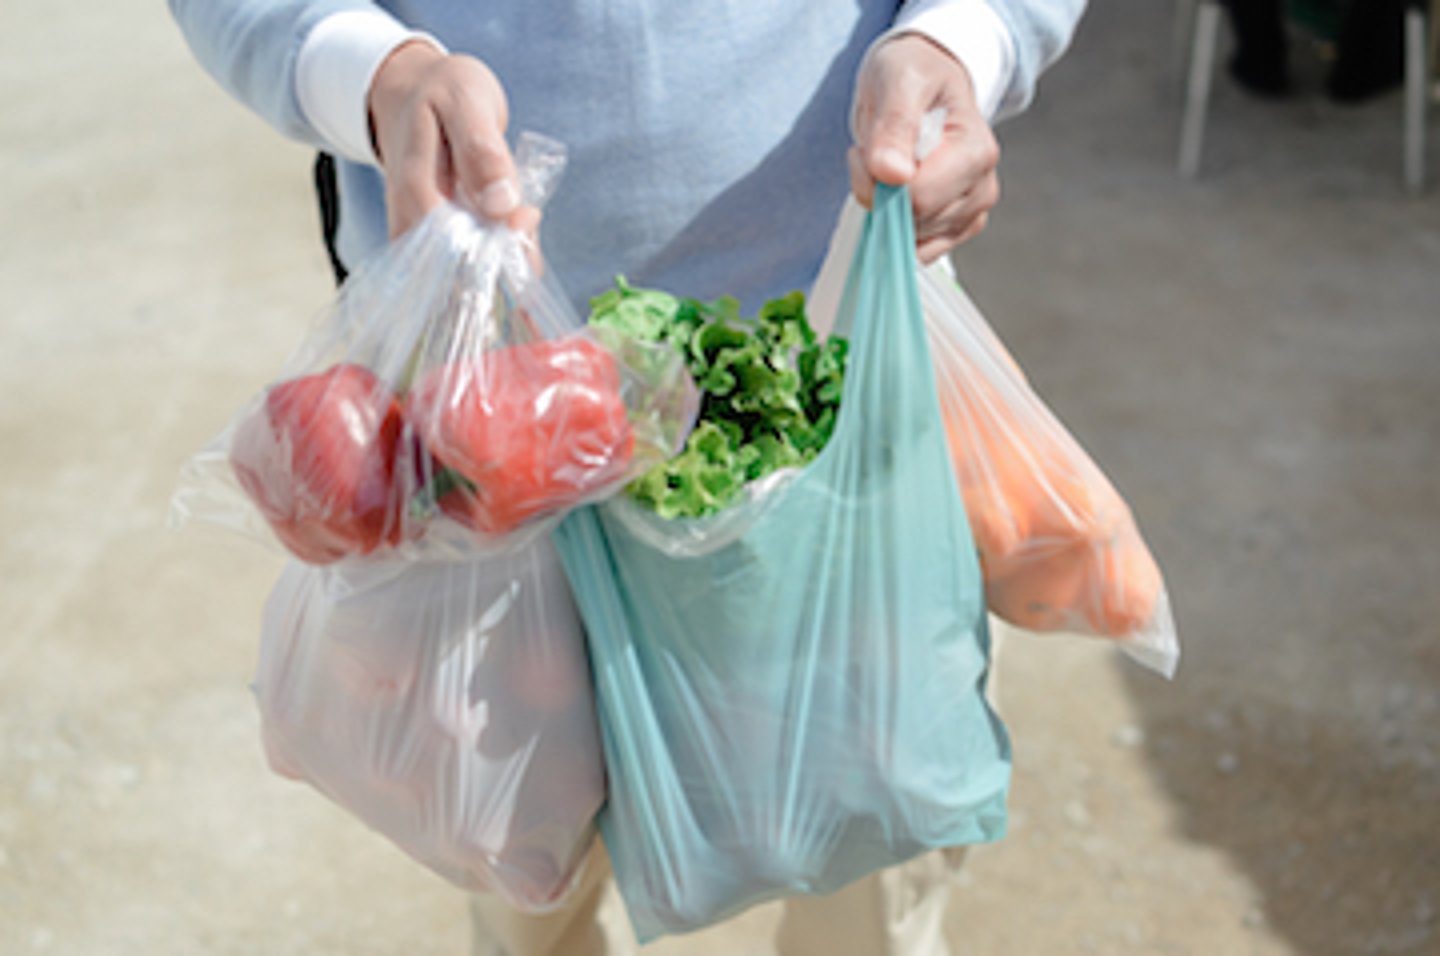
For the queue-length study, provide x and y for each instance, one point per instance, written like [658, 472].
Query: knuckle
[482, 162]
[484, 151]
[990, 153]
[976, 226]
[984, 152]
[984, 194]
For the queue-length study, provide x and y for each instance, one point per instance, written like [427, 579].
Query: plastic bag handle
[889, 365]
[539, 161]
[932, 129]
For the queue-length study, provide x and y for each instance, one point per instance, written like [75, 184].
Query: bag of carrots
[1059, 548]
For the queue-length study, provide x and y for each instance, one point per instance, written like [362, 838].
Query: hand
[438, 122]
[954, 188]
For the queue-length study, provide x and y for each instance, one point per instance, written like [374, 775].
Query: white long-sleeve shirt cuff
[333, 71]
[972, 33]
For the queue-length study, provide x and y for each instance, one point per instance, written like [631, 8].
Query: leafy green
[770, 391]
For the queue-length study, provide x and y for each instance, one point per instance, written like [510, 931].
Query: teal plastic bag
[795, 699]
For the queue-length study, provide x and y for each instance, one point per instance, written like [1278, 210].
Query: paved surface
[1253, 359]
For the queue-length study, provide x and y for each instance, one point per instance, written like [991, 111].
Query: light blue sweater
[706, 139]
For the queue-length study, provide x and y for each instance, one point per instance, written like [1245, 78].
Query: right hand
[438, 122]
[955, 187]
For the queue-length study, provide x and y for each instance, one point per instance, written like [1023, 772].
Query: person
[1368, 37]
[710, 149]
[1261, 60]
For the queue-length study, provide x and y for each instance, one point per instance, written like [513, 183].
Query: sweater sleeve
[252, 49]
[1041, 30]
[971, 32]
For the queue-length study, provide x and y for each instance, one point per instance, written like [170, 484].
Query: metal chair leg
[1182, 29]
[1417, 72]
[1197, 91]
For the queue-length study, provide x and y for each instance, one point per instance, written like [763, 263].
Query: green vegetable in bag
[770, 391]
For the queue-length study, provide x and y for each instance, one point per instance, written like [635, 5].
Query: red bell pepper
[526, 429]
[319, 459]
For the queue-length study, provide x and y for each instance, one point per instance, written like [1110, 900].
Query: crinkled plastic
[446, 704]
[451, 398]
[800, 703]
[1060, 549]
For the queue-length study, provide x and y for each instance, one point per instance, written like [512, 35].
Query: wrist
[334, 69]
[972, 34]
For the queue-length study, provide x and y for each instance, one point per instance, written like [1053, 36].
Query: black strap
[328, 192]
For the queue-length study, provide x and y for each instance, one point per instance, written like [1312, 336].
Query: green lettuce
[770, 391]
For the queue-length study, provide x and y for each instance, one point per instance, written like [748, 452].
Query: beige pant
[896, 912]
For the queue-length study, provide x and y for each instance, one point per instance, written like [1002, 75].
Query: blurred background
[1252, 357]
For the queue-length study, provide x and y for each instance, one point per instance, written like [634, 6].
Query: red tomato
[318, 458]
[531, 427]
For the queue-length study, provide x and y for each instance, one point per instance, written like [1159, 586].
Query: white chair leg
[1197, 89]
[1181, 36]
[1417, 74]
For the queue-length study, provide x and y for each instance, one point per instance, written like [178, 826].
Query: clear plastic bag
[794, 698]
[445, 704]
[1060, 550]
[450, 399]
[1059, 547]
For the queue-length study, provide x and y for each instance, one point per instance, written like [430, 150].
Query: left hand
[954, 188]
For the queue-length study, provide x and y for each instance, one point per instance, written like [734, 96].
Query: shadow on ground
[1253, 359]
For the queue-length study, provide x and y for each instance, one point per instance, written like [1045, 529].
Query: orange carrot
[1058, 546]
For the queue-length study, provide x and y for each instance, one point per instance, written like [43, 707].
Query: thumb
[887, 142]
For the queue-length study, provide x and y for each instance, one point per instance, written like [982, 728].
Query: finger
[963, 165]
[887, 123]
[953, 219]
[411, 190]
[960, 225]
[475, 124]
[887, 143]
[486, 179]
[928, 250]
[977, 226]
[525, 219]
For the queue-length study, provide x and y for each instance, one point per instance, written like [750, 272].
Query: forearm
[253, 50]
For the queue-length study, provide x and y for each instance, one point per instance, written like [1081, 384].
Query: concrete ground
[1252, 358]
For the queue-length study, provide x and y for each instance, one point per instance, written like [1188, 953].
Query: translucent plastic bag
[801, 702]
[451, 398]
[1060, 551]
[445, 704]
[1059, 547]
